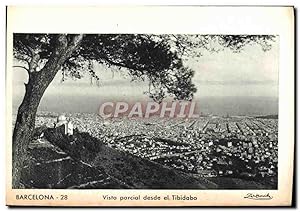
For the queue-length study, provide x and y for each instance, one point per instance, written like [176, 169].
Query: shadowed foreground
[82, 161]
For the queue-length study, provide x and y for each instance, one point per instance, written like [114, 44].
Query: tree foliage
[157, 59]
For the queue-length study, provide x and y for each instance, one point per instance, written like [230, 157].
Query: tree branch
[120, 64]
[62, 51]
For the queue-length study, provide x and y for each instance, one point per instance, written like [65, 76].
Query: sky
[250, 73]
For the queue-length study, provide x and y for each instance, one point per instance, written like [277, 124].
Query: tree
[158, 59]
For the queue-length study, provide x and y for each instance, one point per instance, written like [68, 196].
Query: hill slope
[130, 171]
[82, 161]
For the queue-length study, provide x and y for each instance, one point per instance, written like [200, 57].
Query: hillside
[50, 167]
[83, 161]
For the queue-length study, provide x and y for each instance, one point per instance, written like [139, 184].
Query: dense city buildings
[212, 146]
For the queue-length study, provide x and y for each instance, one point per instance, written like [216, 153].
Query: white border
[262, 18]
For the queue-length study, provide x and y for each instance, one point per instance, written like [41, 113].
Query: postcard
[150, 106]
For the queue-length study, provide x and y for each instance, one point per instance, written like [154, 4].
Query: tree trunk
[24, 126]
[35, 88]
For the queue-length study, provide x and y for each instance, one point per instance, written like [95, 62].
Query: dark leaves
[156, 58]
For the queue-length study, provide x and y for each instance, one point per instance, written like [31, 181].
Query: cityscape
[214, 147]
